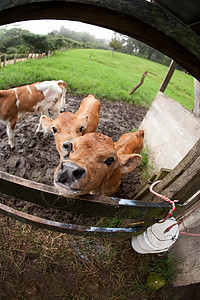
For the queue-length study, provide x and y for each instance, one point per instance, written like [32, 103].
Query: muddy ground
[35, 156]
[35, 263]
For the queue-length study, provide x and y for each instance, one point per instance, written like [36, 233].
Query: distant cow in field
[68, 126]
[30, 55]
[94, 166]
[35, 98]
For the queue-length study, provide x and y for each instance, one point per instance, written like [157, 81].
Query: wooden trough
[159, 26]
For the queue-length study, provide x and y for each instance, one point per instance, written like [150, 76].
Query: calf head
[68, 126]
[93, 167]
[65, 128]
[131, 142]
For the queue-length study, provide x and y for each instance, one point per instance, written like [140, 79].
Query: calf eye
[109, 161]
[54, 129]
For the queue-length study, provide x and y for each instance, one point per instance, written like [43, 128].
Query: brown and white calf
[35, 98]
[68, 126]
[94, 166]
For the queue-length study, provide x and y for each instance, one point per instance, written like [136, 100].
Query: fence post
[196, 108]
[168, 76]
[4, 62]
[48, 54]
[0, 59]
[15, 57]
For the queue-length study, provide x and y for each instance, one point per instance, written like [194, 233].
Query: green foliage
[104, 76]
[135, 47]
[115, 44]
[146, 167]
[83, 39]
[11, 50]
[165, 266]
[109, 222]
[10, 38]
[38, 43]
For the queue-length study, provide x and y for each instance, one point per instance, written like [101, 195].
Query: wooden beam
[168, 76]
[70, 228]
[91, 205]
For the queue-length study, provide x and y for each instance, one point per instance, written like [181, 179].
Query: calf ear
[128, 162]
[46, 122]
[84, 122]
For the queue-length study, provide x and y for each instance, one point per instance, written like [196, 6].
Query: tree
[39, 43]
[135, 47]
[115, 44]
[10, 38]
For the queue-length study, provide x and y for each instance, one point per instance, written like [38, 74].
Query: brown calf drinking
[35, 98]
[94, 166]
[68, 126]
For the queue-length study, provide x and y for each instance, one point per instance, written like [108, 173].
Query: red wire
[194, 234]
[164, 198]
[171, 210]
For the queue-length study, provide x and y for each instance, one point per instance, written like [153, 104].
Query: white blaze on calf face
[93, 167]
[68, 126]
[31, 99]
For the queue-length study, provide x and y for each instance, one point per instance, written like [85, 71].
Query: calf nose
[69, 172]
[67, 147]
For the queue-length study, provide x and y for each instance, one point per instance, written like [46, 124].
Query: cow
[68, 126]
[30, 55]
[94, 166]
[35, 98]
[131, 142]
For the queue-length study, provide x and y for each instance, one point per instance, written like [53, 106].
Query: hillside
[91, 71]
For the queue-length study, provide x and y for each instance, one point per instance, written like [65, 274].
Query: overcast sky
[46, 26]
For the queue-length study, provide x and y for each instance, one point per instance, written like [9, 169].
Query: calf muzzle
[67, 147]
[69, 172]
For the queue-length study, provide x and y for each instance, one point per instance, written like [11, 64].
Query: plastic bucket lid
[137, 247]
[161, 239]
[154, 239]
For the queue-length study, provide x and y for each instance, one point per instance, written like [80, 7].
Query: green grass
[40, 264]
[104, 76]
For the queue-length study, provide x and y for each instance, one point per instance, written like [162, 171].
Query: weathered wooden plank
[47, 196]
[186, 185]
[189, 205]
[70, 228]
[186, 162]
[145, 188]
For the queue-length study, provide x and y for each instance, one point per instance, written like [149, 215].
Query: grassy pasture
[89, 71]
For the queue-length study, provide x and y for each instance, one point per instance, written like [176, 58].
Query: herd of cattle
[90, 162]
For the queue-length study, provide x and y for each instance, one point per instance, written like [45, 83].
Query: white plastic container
[155, 239]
